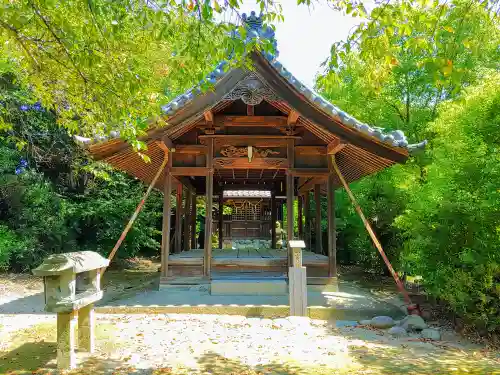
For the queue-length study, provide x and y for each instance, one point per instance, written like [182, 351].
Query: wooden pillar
[178, 220]
[221, 217]
[299, 218]
[318, 234]
[192, 224]
[187, 221]
[332, 227]
[290, 190]
[273, 219]
[165, 231]
[208, 215]
[307, 229]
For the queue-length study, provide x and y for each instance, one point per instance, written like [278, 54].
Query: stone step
[253, 286]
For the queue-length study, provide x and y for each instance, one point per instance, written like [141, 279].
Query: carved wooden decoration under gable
[243, 163]
[230, 151]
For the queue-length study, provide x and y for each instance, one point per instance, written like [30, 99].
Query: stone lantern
[72, 285]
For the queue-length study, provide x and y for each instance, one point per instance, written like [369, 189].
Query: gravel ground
[220, 344]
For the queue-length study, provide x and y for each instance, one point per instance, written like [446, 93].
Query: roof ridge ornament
[252, 21]
[256, 29]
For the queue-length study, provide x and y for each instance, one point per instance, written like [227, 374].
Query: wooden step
[250, 286]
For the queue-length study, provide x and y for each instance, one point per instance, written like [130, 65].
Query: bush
[10, 246]
[452, 223]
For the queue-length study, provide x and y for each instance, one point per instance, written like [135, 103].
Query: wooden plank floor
[243, 257]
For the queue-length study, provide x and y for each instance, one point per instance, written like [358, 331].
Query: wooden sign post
[297, 280]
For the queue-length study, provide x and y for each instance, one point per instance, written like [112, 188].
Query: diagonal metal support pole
[368, 227]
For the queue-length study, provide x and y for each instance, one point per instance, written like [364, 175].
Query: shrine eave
[183, 110]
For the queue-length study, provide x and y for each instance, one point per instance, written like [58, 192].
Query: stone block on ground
[413, 323]
[397, 332]
[382, 322]
[431, 333]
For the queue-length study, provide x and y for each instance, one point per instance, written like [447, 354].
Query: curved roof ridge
[256, 29]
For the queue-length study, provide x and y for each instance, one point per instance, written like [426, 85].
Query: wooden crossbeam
[310, 150]
[186, 182]
[261, 187]
[190, 149]
[309, 172]
[293, 116]
[263, 121]
[335, 146]
[309, 185]
[209, 118]
[189, 171]
[165, 144]
[248, 140]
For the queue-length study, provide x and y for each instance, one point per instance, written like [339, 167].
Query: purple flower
[19, 170]
[23, 163]
[37, 106]
[24, 107]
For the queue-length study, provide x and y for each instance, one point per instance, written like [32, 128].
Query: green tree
[109, 65]
[451, 224]
[393, 71]
[54, 199]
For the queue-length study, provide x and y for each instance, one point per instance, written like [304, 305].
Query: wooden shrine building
[259, 139]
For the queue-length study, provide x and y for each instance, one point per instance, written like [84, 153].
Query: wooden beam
[189, 171]
[262, 121]
[250, 110]
[335, 146]
[310, 150]
[178, 220]
[289, 198]
[299, 217]
[243, 163]
[293, 116]
[309, 185]
[307, 229]
[208, 209]
[186, 181]
[194, 245]
[187, 221]
[167, 142]
[165, 229]
[332, 227]
[209, 118]
[221, 218]
[249, 140]
[261, 187]
[318, 234]
[190, 149]
[273, 220]
[308, 172]
[370, 231]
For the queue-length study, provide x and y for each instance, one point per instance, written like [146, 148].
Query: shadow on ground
[27, 358]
